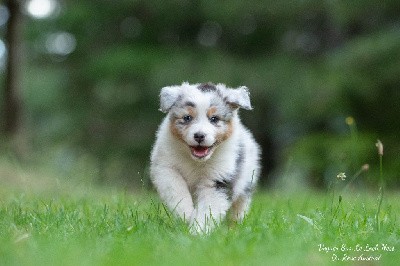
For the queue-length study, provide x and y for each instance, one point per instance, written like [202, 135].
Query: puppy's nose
[199, 137]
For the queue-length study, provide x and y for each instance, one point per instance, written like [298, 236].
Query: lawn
[57, 223]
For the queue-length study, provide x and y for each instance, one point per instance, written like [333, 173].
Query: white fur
[187, 185]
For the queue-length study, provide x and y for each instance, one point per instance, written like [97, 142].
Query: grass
[45, 220]
[67, 225]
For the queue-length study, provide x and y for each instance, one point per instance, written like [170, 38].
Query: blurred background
[80, 79]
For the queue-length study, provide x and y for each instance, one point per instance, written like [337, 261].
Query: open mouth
[200, 151]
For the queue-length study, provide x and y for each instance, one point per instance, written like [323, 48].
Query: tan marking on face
[211, 111]
[191, 111]
[222, 136]
[177, 132]
[180, 130]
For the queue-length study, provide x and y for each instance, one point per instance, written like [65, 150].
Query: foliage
[308, 64]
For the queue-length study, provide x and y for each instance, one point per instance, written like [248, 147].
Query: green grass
[67, 225]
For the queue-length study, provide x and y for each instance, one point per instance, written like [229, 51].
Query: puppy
[204, 162]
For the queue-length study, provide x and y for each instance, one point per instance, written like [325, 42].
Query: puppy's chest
[206, 174]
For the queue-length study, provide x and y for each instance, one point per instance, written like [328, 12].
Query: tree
[12, 99]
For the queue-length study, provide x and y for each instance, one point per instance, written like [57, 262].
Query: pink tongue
[200, 151]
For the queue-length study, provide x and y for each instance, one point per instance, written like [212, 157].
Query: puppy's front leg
[173, 190]
[212, 206]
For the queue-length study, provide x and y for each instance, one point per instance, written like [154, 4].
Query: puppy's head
[201, 115]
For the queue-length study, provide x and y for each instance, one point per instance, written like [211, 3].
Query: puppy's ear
[238, 98]
[168, 96]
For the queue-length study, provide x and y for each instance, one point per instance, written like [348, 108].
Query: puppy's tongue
[199, 151]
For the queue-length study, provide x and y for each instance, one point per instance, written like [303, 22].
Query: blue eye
[214, 119]
[187, 118]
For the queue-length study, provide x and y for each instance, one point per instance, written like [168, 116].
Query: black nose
[199, 137]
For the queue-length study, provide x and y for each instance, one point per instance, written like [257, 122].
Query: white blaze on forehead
[204, 95]
[204, 100]
[201, 99]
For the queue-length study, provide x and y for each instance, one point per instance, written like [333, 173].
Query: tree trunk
[12, 99]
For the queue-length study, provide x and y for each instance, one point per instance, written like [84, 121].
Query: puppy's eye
[187, 118]
[214, 119]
